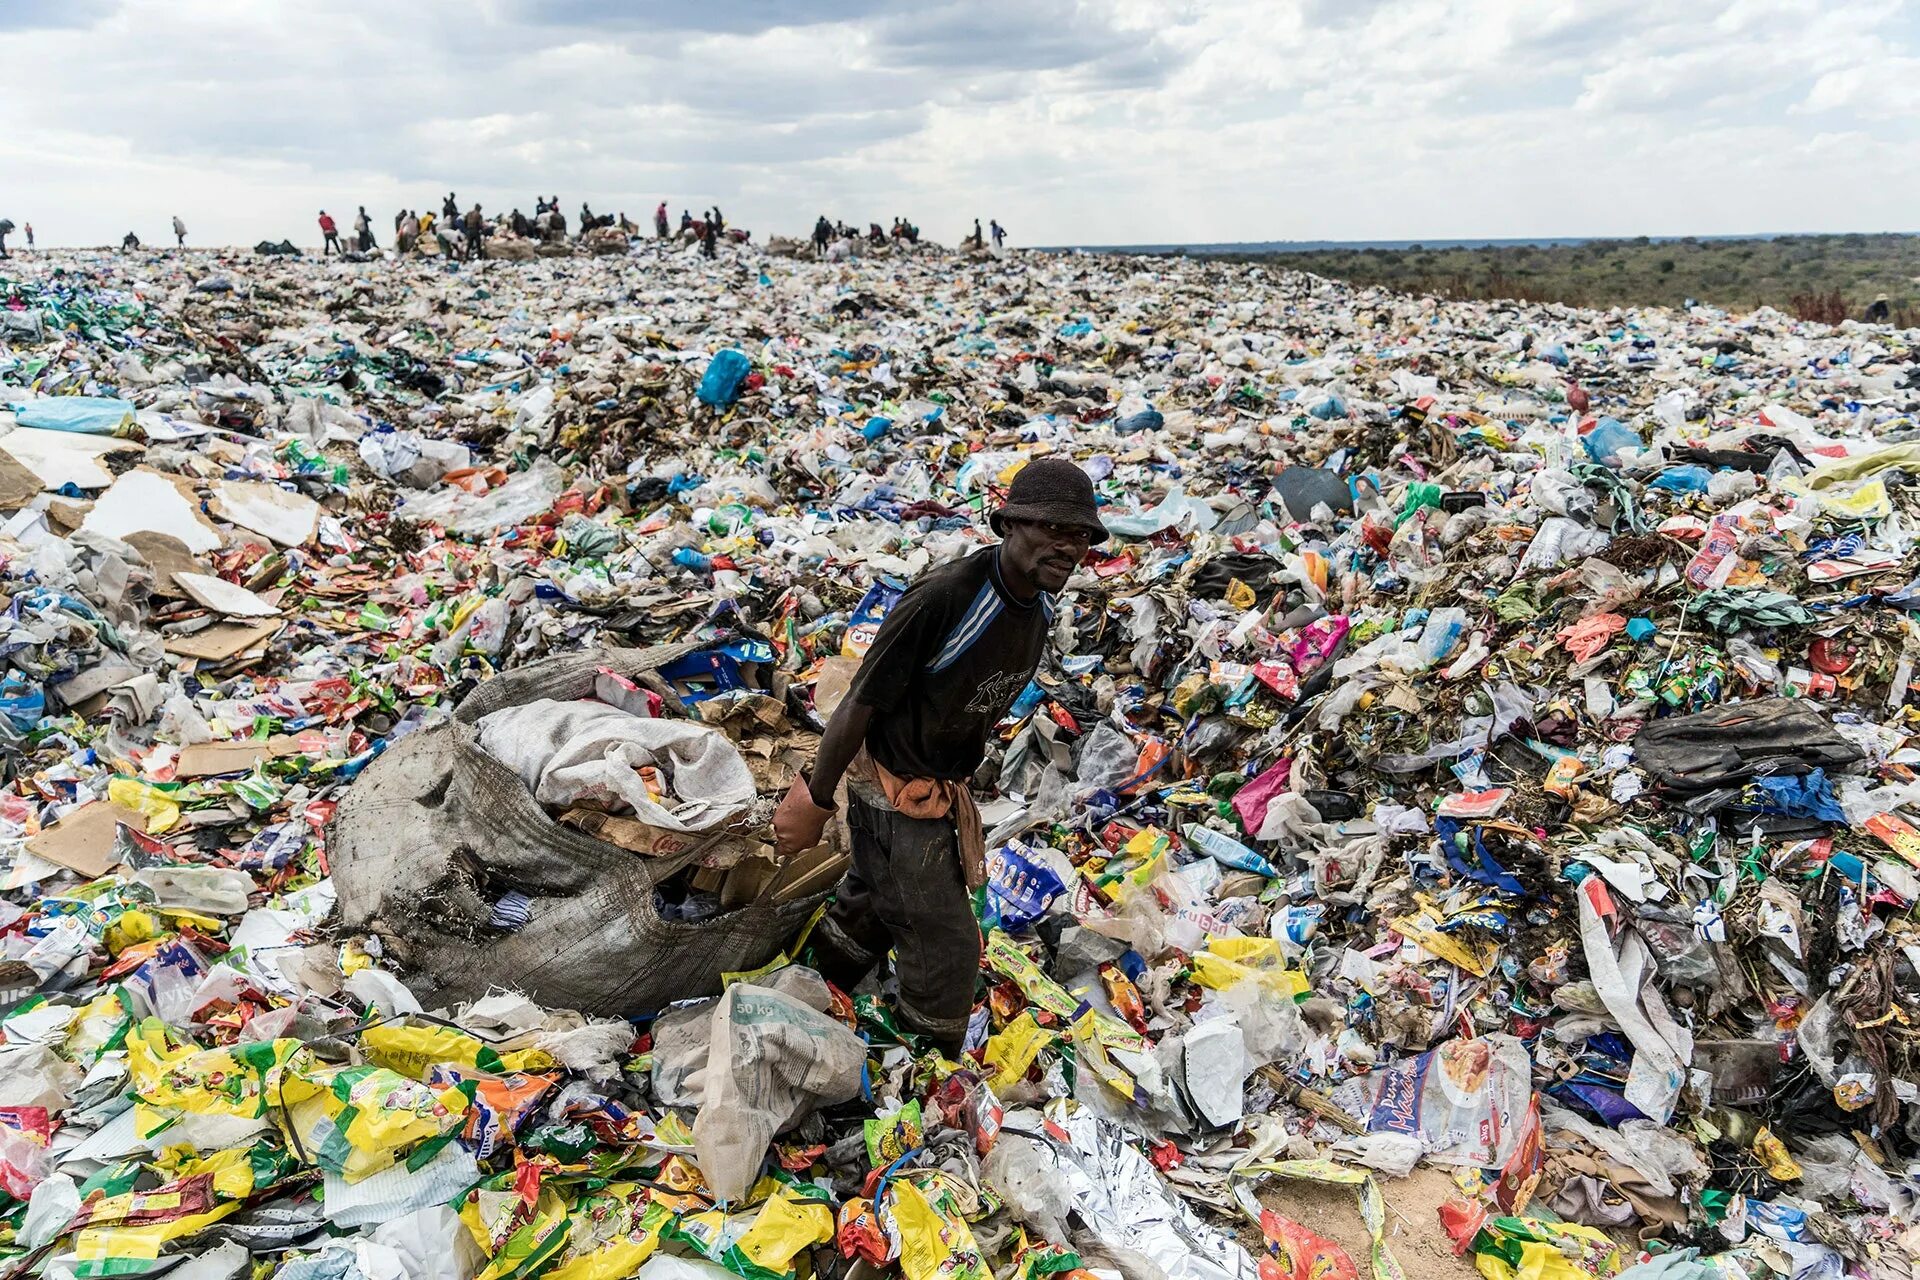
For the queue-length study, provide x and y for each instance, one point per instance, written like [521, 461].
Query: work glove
[798, 823]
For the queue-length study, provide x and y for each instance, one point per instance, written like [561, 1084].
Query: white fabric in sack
[571, 753]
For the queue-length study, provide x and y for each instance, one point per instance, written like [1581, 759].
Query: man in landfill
[6, 229]
[329, 233]
[475, 228]
[709, 236]
[660, 220]
[947, 663]
[179, 233]
[363, 230]
[29, 230]
[999, 234]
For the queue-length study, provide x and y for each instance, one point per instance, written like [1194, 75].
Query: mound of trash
[1484, 745]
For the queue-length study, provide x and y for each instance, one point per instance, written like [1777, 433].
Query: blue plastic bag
[1145, 420]
[1608, 437]
[1019, 887]
[21, 701]
[720, 386]
[1687, 479]
[1329, 409]
[84, 415]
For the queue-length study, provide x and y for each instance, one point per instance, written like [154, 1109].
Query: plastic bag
[571, 753]
[771, 1060]
[86, 415]
[1468, 1100]
[720, 384]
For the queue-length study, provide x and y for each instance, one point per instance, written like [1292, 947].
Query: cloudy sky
[1111, 121]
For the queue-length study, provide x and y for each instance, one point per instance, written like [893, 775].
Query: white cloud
[1085, 121]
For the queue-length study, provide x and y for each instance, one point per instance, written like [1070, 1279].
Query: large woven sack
[435, 832]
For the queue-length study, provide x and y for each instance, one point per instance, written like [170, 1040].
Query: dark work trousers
[906, 891]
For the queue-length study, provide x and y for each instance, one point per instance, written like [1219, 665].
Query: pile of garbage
[1484, 746]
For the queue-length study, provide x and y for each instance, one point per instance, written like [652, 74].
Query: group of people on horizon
[462, 236]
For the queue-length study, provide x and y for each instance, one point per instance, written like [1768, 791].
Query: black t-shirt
[948, 661]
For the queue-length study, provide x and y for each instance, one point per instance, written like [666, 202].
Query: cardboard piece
[18, 486]
[61, 458]
[83, 841]
[96, 679]
[222, 596]
[637, 836]
[205, 759]
[223, 640]
[281, 515]
[167, 556]
[761, 878]
[153, 502]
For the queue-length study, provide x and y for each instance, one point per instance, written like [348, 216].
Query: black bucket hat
[1054, 490]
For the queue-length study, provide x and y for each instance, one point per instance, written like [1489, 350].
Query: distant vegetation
[1826, 278]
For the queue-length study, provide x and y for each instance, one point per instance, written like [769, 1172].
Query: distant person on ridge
[660, 220]
[1878, 311]
[129, 242]
[179, 233]
[450, 209]
[999, 235]
[363, 227]
[29, 231]
[329, 232]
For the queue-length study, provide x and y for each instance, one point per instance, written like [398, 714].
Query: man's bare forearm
[838, 746]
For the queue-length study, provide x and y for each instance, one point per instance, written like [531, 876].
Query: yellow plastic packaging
[244, 1080]
[1478, 961]
[609, 1234]
[362, 1119]
[128, 929]
[1227, 962]
[414, 1050]
[150, 802]
[106, 1250]
[518, 1239]
[1011, 1051]
[787, 1223]
[1781, 1166]
[934, 1245]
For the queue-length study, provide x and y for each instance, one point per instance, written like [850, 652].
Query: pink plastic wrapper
[1250, 801]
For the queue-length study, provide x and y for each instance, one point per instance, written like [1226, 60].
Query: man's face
[1046, 552]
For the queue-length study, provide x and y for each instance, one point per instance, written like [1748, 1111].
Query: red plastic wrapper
[860, 1234]
[1295, 1253]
